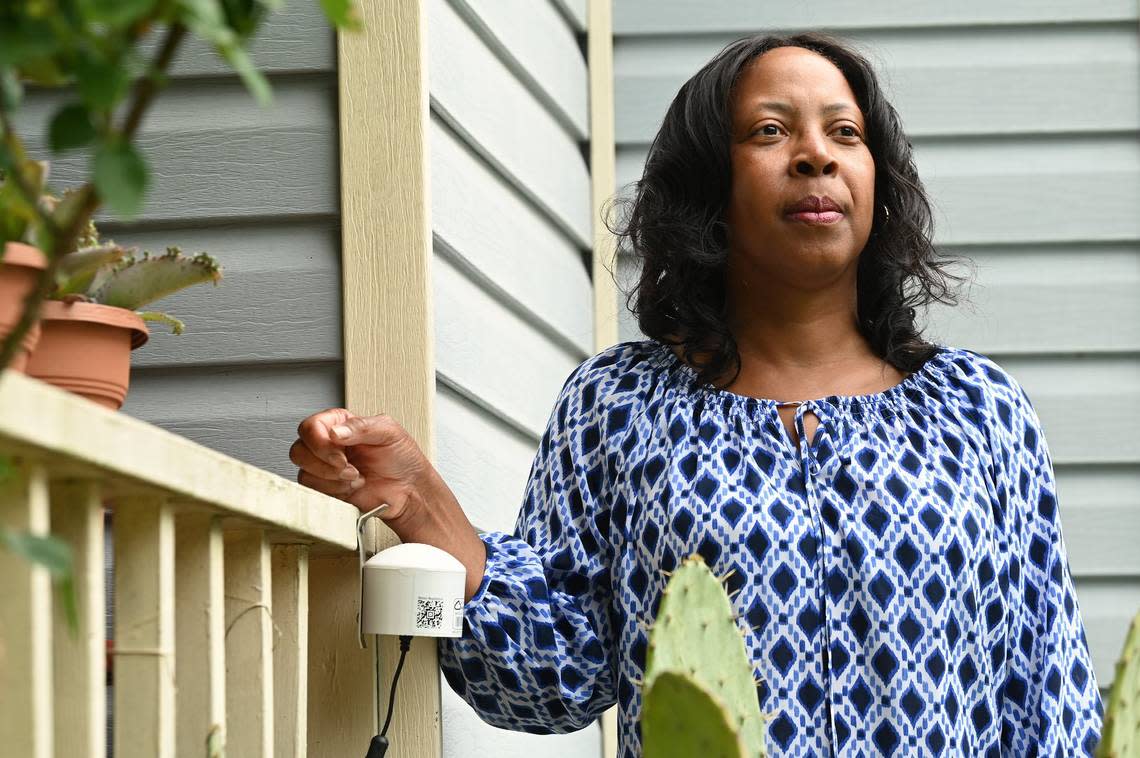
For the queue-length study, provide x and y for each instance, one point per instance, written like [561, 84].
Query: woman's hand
[370, 460]
[365, 461]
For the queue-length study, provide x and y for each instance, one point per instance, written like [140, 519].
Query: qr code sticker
[429, 613]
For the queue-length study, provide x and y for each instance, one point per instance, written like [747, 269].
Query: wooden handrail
[74, 435]
[210, 590]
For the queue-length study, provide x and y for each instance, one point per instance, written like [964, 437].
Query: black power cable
[379, 744]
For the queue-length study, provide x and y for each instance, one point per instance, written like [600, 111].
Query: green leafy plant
[1120, 737]
[54, 555]
[96, 51]
[699, 694]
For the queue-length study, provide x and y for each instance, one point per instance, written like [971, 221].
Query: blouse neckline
[910, 391]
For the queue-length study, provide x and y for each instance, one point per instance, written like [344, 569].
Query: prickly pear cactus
[1120, 737]
[695, 635]
[681, 719]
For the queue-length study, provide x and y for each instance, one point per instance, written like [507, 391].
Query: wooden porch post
[388, 361]
[600, 59]
[603, 171]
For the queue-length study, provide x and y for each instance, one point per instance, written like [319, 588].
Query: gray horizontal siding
[574, 11]
[1101, 517]
[512, 246]
[1015, 190]
[1021, 286]
[278, 303]
[1024, 118]
[540, 50]
[512, 294]
[484, 461]
[945, 83]
[503, 121]
[216, 155]
[250, 412]
[495, 353]
[474, 738]
[653, 17]
[295, 38]
[510, 220]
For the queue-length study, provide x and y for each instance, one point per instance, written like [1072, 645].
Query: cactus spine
[699, 679]
[1120, 737]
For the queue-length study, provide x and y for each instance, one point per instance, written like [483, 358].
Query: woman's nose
[813, 157]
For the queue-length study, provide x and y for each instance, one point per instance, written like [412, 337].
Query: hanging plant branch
[61, 229]
[93, 48]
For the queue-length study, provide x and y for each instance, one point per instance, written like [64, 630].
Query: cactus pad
[695, 634]
[135, 282]
[86, 269]
[1120, 737]
[682, 719]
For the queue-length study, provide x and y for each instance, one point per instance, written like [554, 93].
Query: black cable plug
[378, 747]
[379, 744]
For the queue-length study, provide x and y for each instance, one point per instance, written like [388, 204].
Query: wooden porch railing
[211, 592]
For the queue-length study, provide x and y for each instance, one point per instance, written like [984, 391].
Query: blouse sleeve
[537, 651]
[1051, 702]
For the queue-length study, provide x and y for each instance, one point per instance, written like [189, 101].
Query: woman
[886, 506]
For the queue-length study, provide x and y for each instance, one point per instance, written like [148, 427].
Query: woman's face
[797, 133]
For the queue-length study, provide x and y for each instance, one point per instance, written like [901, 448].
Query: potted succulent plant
[21, 267]
[109, 61]
[91, 322]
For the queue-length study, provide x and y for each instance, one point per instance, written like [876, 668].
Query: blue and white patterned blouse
[901, 580]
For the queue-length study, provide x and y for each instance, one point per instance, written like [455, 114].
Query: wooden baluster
[144, 627]
[25, 625]
[249, 645]
[200, 635]
[342, 677]
[80, 673]
[291, 656]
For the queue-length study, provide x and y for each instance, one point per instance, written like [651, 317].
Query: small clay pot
[19, 270]
[86, 348]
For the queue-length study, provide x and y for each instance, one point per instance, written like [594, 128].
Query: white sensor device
[410, 589]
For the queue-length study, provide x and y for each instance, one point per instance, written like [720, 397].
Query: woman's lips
[810, 217]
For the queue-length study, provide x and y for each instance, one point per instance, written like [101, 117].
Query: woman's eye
[775, 130]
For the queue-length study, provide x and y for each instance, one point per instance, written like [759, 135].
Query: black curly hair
[674, 224]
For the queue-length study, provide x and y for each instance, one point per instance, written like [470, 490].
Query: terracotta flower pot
[86, 348]
[19, 270]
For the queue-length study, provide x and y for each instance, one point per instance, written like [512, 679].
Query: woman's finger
[303, 457]
[314, 431]
[334, 487]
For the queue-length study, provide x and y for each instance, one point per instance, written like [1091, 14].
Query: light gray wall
[510, 195]
[1024, 118]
